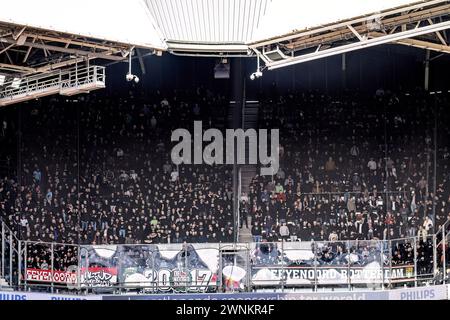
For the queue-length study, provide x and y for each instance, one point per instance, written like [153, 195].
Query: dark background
[391, 67]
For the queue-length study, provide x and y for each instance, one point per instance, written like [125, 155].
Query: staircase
[248, 171]
[245, 234]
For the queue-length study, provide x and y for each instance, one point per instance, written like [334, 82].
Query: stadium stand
[335, 154]
[116, 183]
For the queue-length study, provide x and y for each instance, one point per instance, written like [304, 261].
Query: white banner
[18, 295]
[419, 293]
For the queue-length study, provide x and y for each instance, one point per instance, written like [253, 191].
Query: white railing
[65, 82]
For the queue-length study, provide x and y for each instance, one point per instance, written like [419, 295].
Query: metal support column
[349, 282]
[427, 70]
[435, 270]
[52, 258]
[382, 265]
[434, 164]
[283, 277]
[3, 249]
[415, 260]
[25, 264]
[238, 93]
[249, 268]
[315, 265]
[444, 249]
[11, 253]
[19, 267]
[390, 263]
[79, 268]
[185, 267]
[220, 268]
[344, 71]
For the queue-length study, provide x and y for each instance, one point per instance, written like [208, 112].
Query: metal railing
[9, 255]
[219, 267]
[66, 82]
[442, 249]
[228, 267]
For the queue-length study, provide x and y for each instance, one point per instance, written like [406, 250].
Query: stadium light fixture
[2, 79]
[258, 73]
[275, 55]
[130, 76]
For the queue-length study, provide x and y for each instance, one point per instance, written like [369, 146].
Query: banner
[90, 277]
[298, 275]
[98, 266]
[98, 277]
[18, 295]
[201, 268]
[40, 275]
[438, 292]
[365, 295]
[153, 268]
[325, 263]
[420, 293]
[165, 268]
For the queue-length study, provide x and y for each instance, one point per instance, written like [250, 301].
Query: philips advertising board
[19, 295]
[420, 293]
[366, 295]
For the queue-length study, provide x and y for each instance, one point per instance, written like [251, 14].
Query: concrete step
[247, 174]
[245, 238]
[245, 234]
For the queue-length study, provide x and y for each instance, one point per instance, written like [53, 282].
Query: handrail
[8, 228]
[50, 83]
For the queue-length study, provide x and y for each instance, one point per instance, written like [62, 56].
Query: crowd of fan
[98, 171]
[352, 167]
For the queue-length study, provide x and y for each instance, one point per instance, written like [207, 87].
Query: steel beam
[65, 50]
[7, 48]
[28, 52]
[360, 45]
[141, 61]
[13, 67]
[419, 44]
[311, 40]
[75, 42]
[199, 47]
[333, 26]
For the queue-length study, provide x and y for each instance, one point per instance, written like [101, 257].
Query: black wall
[391, 67]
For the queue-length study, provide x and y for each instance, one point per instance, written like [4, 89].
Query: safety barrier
[224, 267]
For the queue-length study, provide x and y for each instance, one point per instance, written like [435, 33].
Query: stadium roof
[184, 24]
[242, 21]
[286, 16]
[127, 22]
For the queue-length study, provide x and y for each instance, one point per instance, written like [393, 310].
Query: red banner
[65, 276]
[46, 276]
